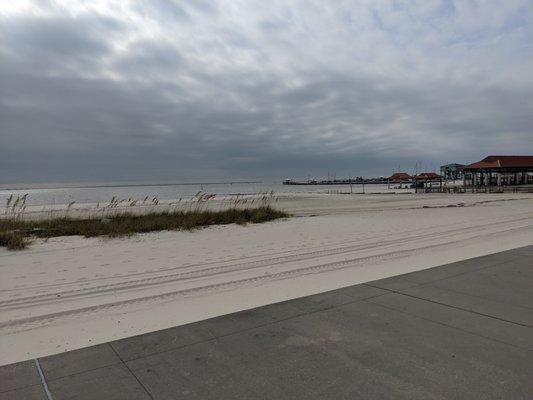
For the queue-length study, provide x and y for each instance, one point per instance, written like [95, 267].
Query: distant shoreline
[119, 185]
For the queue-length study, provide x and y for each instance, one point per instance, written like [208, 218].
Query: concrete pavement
[459, 331]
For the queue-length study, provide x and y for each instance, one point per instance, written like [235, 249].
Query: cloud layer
[168, 90]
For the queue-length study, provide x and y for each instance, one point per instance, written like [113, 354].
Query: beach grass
[15, 234]
[13, 240]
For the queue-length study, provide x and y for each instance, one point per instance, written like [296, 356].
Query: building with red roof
[501, 170]
[400, 177]
[428, 176]
[425, 180]
[502, 164]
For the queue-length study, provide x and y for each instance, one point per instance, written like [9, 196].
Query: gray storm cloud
[216, 89]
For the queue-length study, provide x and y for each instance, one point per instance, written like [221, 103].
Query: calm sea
[93, 193]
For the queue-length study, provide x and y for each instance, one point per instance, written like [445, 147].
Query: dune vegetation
[17, 231]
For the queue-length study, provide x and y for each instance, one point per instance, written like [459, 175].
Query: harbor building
[452, 171]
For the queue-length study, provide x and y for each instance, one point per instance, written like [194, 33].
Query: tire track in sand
[29, 323]
[219, 270]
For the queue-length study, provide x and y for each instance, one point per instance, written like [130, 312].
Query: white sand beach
[70, 292]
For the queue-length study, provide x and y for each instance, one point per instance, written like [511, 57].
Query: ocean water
[44, 194]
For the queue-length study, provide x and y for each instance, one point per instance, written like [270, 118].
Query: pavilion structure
[425, 180]
[499, 171]
[400, 177]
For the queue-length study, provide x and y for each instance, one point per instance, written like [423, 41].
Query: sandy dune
[73, 292]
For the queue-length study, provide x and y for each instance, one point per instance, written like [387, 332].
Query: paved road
[460, 331]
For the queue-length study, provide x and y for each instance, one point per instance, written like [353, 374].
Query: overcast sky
[175, 90]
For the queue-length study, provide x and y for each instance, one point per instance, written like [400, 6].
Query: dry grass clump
[15, 231]
[13, 241]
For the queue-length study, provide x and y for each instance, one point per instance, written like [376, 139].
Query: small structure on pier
[425, 180]
[400, 177]
[500, 171]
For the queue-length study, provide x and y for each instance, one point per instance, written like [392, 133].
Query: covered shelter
[425, 180]
[500, 171]
[400, 177]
